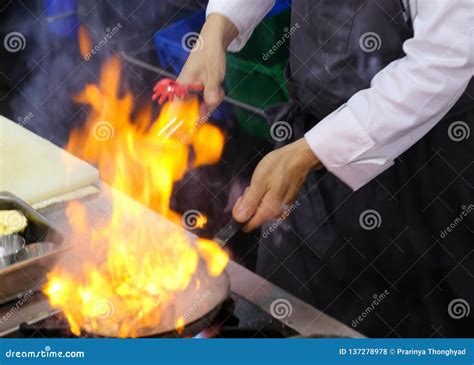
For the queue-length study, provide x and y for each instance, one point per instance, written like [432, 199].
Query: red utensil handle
[168, 89]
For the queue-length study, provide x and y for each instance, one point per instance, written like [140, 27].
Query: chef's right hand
[206, 63]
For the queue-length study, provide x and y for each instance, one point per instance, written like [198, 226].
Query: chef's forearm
[219, 30]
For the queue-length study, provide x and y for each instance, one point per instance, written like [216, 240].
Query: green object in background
[254, 76]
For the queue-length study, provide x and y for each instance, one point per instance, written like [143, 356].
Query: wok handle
[227, 232]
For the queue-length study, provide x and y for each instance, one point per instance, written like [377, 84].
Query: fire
[133, 266]
[180, 325]
[85, 44]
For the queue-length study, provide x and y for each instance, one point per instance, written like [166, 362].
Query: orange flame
[85, 44]
[180, 325]
[134, 264]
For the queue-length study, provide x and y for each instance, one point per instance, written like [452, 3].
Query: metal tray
[29, 275]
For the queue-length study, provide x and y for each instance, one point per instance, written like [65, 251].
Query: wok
[197, 306]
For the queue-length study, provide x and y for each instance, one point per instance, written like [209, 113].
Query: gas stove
[237, 318]
[247, 312]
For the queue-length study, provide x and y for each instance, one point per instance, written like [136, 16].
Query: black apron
[396, 257]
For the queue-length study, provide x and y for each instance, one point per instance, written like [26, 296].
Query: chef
[378, 175]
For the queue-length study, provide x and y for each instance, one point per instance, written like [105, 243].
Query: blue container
[168, 41]
[61, 17]
[172, 42]
[173, 47]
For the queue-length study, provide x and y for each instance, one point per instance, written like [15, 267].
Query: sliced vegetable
[12, 221]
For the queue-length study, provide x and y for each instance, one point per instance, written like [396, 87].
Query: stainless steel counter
[296, 314]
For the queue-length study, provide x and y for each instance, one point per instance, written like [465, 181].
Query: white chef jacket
[406, 99]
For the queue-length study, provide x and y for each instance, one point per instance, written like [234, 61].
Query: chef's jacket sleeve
[405, 100]
[244, 14]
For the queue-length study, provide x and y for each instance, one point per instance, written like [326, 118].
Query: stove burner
[237, 318]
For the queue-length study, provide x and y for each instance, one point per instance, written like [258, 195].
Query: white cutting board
[35, 169]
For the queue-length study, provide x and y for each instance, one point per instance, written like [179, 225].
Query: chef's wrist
[219, 30]
[306, 157]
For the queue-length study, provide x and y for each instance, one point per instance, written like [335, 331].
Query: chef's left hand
[275, 184]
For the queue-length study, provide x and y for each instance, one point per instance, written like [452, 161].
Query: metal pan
[198, 307]
[29, 274]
